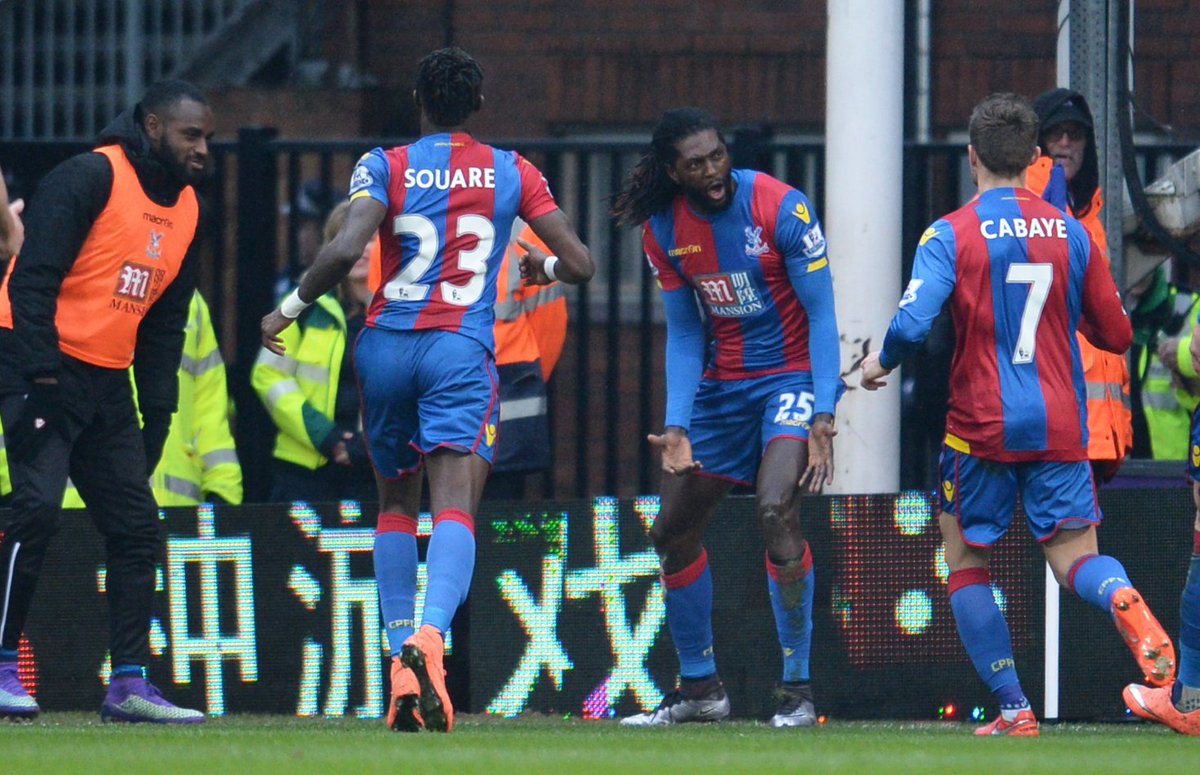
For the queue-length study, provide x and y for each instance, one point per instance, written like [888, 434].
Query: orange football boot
[422, 653]
[403, 714]
[1024, 725]
[1149, 642]
[1154, 704]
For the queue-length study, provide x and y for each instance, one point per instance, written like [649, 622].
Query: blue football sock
[450, 561]
[689, 618]
[791, 589]
[1189, 627]
[1096, 578]
[123, 670]
[8, 655]
[396, 576]
[984, 633]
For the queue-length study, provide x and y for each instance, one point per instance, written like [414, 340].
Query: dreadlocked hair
[649, 189]
[448, 86]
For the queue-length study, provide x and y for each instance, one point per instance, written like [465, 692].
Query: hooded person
[102, 282]
[1066, 174]
[1067, 138]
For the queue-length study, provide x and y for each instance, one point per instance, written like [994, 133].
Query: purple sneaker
[133, 699]
[15, 702]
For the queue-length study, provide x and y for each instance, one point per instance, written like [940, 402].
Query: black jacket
[67, 202]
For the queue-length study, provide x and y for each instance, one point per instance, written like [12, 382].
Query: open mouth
[716, 192]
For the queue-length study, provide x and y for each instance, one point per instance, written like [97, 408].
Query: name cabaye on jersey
[1022, 228]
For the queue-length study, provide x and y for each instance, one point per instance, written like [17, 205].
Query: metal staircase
[68, 66]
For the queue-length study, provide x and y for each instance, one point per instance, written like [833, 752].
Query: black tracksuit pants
[105, 458]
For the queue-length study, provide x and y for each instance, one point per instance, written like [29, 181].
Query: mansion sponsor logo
[729, 295]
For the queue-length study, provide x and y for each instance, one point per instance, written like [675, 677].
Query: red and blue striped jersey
[451, 202]
[1021, 277]
[759, 268]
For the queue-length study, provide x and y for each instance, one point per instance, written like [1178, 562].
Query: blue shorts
[1194, 447]
[422, 390]
[982, 496]
[733, 421]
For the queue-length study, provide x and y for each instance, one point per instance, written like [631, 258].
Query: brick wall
[988, 46]
[555, 66]
[1167, 65]
[563, 65]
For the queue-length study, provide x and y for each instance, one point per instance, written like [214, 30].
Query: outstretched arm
[332, 264]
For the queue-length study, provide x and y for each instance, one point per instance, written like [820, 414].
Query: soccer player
[1021, 277]
[444, 208]
[1178, 706]
[749, 249]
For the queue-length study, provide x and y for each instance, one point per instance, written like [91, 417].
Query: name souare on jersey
[451, 204]
[737, 262]
[1022, 277]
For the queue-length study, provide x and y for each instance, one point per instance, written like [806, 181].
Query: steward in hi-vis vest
[531, 326]
[102, 282]
[1065, 175]
[300, 389]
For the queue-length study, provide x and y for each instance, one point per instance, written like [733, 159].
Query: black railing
[608, 390]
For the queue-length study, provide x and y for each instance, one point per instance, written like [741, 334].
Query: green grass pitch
[76, 742]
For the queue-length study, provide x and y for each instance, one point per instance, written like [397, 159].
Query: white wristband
[292, 305]
[550, 266]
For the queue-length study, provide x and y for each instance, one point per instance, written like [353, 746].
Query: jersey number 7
[1038, 277]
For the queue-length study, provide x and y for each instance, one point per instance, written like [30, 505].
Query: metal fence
[68, 66]
[608, 390]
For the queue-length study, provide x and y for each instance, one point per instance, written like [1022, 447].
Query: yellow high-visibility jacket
[299, 388]
[5, 481]
[1167, 407]
[200, 457]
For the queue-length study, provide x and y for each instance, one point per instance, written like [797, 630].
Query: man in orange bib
[102, 282]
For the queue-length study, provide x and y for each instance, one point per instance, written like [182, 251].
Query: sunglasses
[1074, 132]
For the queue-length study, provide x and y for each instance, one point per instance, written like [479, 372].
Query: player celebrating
[1021, 278]
[443, 207]
[751, 249]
